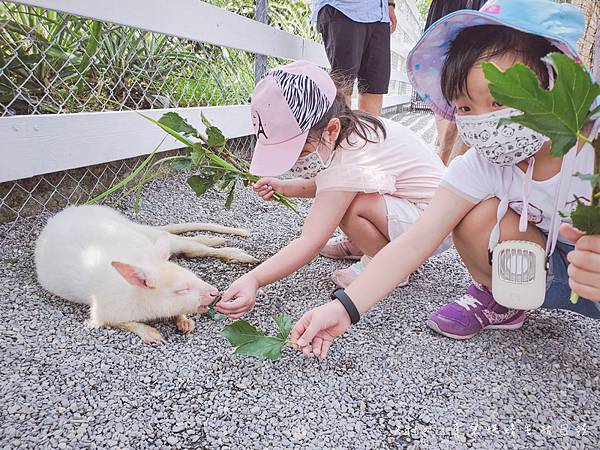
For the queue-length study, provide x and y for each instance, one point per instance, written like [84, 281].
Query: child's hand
[266, 187]
[584, 267]
[315, 331]
[239, 298]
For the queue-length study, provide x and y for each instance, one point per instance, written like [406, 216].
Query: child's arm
[326, 213]
[298, 187]
[391, 265]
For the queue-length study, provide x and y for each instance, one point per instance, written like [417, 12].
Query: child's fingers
[299, 328]
[325, 349]
[260, 183]
[569, 232]
[585, 291]
[239, 305]
[317, 345]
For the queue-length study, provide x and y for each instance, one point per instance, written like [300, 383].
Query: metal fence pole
[261, 14]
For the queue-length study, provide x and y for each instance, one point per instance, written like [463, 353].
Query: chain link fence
[56, 63]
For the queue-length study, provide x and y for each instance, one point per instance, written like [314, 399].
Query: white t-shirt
[475, 179]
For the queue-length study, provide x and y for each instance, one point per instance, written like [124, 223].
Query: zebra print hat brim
[286, 104]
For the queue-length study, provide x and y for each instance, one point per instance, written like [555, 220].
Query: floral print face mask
[309, 166]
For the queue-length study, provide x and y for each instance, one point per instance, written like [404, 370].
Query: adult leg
[375, 68]
[460, 148]
[371, 103]
[447, 133]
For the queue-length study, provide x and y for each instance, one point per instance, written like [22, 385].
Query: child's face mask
[503, 145]
[309, 166]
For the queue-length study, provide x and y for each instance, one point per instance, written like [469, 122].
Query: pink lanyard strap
[564, 184]
[526, 189]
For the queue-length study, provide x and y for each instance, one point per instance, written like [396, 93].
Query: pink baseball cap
[285, 105]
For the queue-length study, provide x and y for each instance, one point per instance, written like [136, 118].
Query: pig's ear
[133, 275]
[162, 248]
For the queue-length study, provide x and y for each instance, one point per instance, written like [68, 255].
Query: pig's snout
[208, 296]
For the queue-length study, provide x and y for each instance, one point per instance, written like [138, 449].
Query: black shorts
[357, 50]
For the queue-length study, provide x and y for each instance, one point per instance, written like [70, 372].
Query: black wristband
[348, 304]
[392, 4]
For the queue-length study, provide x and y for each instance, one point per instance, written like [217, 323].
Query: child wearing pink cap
[371, 177]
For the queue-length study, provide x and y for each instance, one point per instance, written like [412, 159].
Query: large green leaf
[200, 184]
[241, 332]
[177, 123]
[264, 347]
[181, 164]
[559, 113]
[250, 341]
[284, 325]
[214, 137]
[586, 218]
[229, 200]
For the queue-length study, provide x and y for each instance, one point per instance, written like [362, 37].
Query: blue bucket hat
[561, 23]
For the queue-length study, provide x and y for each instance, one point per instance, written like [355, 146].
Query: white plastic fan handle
[519, 274]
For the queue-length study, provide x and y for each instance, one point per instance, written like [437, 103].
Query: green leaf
[169, 130]
[594, 179]
[284, 325]
[252, 342]
[214, 137]
[182, 164]
[265, 347]
[200, 184]
[230, 196]
[214, 315]
[178, 124]
[586, 218]
[241, 332]
[197, 154]
[559, 113]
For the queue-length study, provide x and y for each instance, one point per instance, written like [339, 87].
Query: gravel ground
[388, 383]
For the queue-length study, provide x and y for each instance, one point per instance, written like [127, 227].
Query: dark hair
[487, 41]
[441, 8]
[357, 123]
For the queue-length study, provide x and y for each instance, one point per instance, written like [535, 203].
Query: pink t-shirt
[402, 165]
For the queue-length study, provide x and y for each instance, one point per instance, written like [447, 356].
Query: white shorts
[401, 214]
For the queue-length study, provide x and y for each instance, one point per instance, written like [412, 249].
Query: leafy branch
[560, 113]
[218, 167]
[250, 341]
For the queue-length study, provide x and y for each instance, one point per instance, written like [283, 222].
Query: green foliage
[219, 168]
[63, 63]
[586, 218]
[423, 7]
[250, 341]
[559, 113]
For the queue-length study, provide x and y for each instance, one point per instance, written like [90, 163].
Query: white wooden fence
[74, 148]
[38, 144]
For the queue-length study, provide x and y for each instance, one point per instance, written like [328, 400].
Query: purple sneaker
[476, 310]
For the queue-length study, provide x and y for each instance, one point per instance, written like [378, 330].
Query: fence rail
[74, 74]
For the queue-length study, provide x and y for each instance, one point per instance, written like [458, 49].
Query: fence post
[261, 14]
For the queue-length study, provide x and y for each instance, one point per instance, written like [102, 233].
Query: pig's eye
[183, 291]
